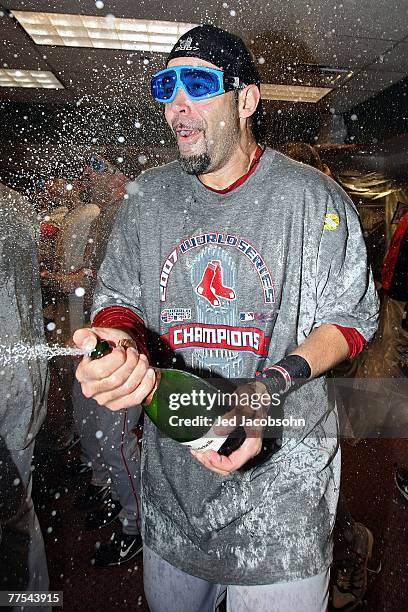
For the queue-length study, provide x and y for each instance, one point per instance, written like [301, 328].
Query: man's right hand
[118, 380]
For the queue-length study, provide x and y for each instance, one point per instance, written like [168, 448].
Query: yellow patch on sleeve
[331, 222]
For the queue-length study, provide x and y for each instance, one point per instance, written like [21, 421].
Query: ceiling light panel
[293, 93]
[101, 32]
[29, 78]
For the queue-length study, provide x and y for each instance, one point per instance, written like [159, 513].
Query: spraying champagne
[192, 420]
[189, 422]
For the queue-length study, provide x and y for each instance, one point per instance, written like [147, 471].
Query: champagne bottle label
[208, 442]
[221, 444]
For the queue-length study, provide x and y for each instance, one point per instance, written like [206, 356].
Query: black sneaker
[121, 549]
[104, 515]
[401, 479]
[350, 573]
[91, 497]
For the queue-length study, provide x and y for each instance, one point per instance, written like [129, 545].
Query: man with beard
[234, 260]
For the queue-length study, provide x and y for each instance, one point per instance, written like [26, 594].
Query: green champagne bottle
[101, 349]
[184, 407]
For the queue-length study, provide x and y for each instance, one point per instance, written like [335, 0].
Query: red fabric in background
[391, 256]
[48, 230]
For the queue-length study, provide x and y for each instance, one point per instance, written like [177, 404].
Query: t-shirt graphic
[220, 331]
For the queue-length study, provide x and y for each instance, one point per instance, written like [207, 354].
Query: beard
[199, 162]
[195, 164]
[211, 155]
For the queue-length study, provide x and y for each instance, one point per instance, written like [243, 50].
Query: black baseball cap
[226, 51]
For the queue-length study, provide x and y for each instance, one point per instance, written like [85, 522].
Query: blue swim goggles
[198, 82]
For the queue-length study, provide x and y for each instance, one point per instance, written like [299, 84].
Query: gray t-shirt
[230, 283]
[24, 385]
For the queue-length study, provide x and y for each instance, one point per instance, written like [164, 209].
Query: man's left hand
[252, 445]
[220, 464]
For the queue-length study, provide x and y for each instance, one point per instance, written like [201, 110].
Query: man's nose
[181, 102]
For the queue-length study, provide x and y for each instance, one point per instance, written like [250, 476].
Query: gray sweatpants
[169, 589]
[110, 445]
[23, 564]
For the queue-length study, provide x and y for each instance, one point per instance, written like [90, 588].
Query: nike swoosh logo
[123, 553]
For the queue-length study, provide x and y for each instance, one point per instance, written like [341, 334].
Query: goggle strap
[233, 82]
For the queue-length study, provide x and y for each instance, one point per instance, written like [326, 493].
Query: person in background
[23, 565]
[231, 229]
[108, 442]
[59, 200]
[69, 270]
[394, 279]
[69, 279]
[53, 199]
[305, 153]
[114, 490]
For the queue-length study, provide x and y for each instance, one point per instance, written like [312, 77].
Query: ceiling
[106, 92]
[369, 37]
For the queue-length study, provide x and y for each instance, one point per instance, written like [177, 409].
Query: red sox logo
[211, 286]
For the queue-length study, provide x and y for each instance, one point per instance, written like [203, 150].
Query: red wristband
[355, 340]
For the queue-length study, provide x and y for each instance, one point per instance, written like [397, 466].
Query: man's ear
[248, 101]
